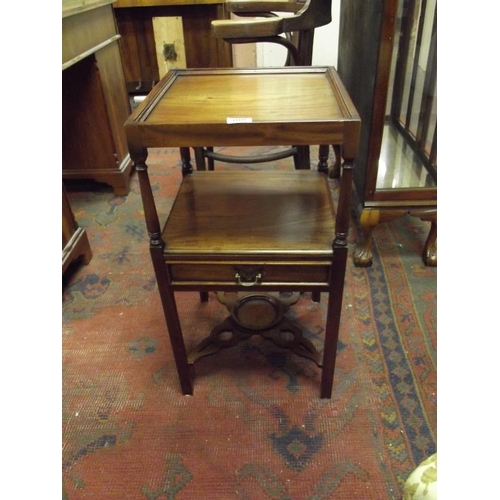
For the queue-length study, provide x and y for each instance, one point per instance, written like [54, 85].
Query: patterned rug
[255, 427]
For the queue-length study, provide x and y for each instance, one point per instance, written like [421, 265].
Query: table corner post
[150, 213]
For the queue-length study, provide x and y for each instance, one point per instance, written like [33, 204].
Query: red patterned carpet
[255, 427]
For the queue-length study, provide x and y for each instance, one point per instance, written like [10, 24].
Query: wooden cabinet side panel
[360, 27]
[87, 141]
[115, 94]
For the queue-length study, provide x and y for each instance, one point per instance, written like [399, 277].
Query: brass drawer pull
[256, 279]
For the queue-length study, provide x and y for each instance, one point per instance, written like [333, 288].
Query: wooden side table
[249, 231]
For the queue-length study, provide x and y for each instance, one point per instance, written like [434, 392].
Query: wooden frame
[367, 32]
[190, 108]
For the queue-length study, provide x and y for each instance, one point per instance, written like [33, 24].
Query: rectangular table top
[246, 107]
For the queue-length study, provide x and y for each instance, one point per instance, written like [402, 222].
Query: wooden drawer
[250, 274]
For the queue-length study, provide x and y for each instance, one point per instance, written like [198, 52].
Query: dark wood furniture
[371, 33]
[267, 26]
[95, 102]
[258, 21]
[75, 243]
[257, 231]
[140, 49]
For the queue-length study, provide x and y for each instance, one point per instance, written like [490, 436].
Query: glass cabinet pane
[409, 142]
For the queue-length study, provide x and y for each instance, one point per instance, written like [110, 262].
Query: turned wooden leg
[187, 168]
[156, 246]
[334, 172]
[430, 249]
[200, 159]
[363, 256]
[210, 161]
[301, 160]
[323, 158]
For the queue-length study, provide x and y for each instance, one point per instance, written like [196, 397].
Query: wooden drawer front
[226, 273]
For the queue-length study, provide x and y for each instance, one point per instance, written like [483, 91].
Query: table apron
[240, 135]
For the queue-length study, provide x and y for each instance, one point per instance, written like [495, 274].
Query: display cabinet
[387, 61]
